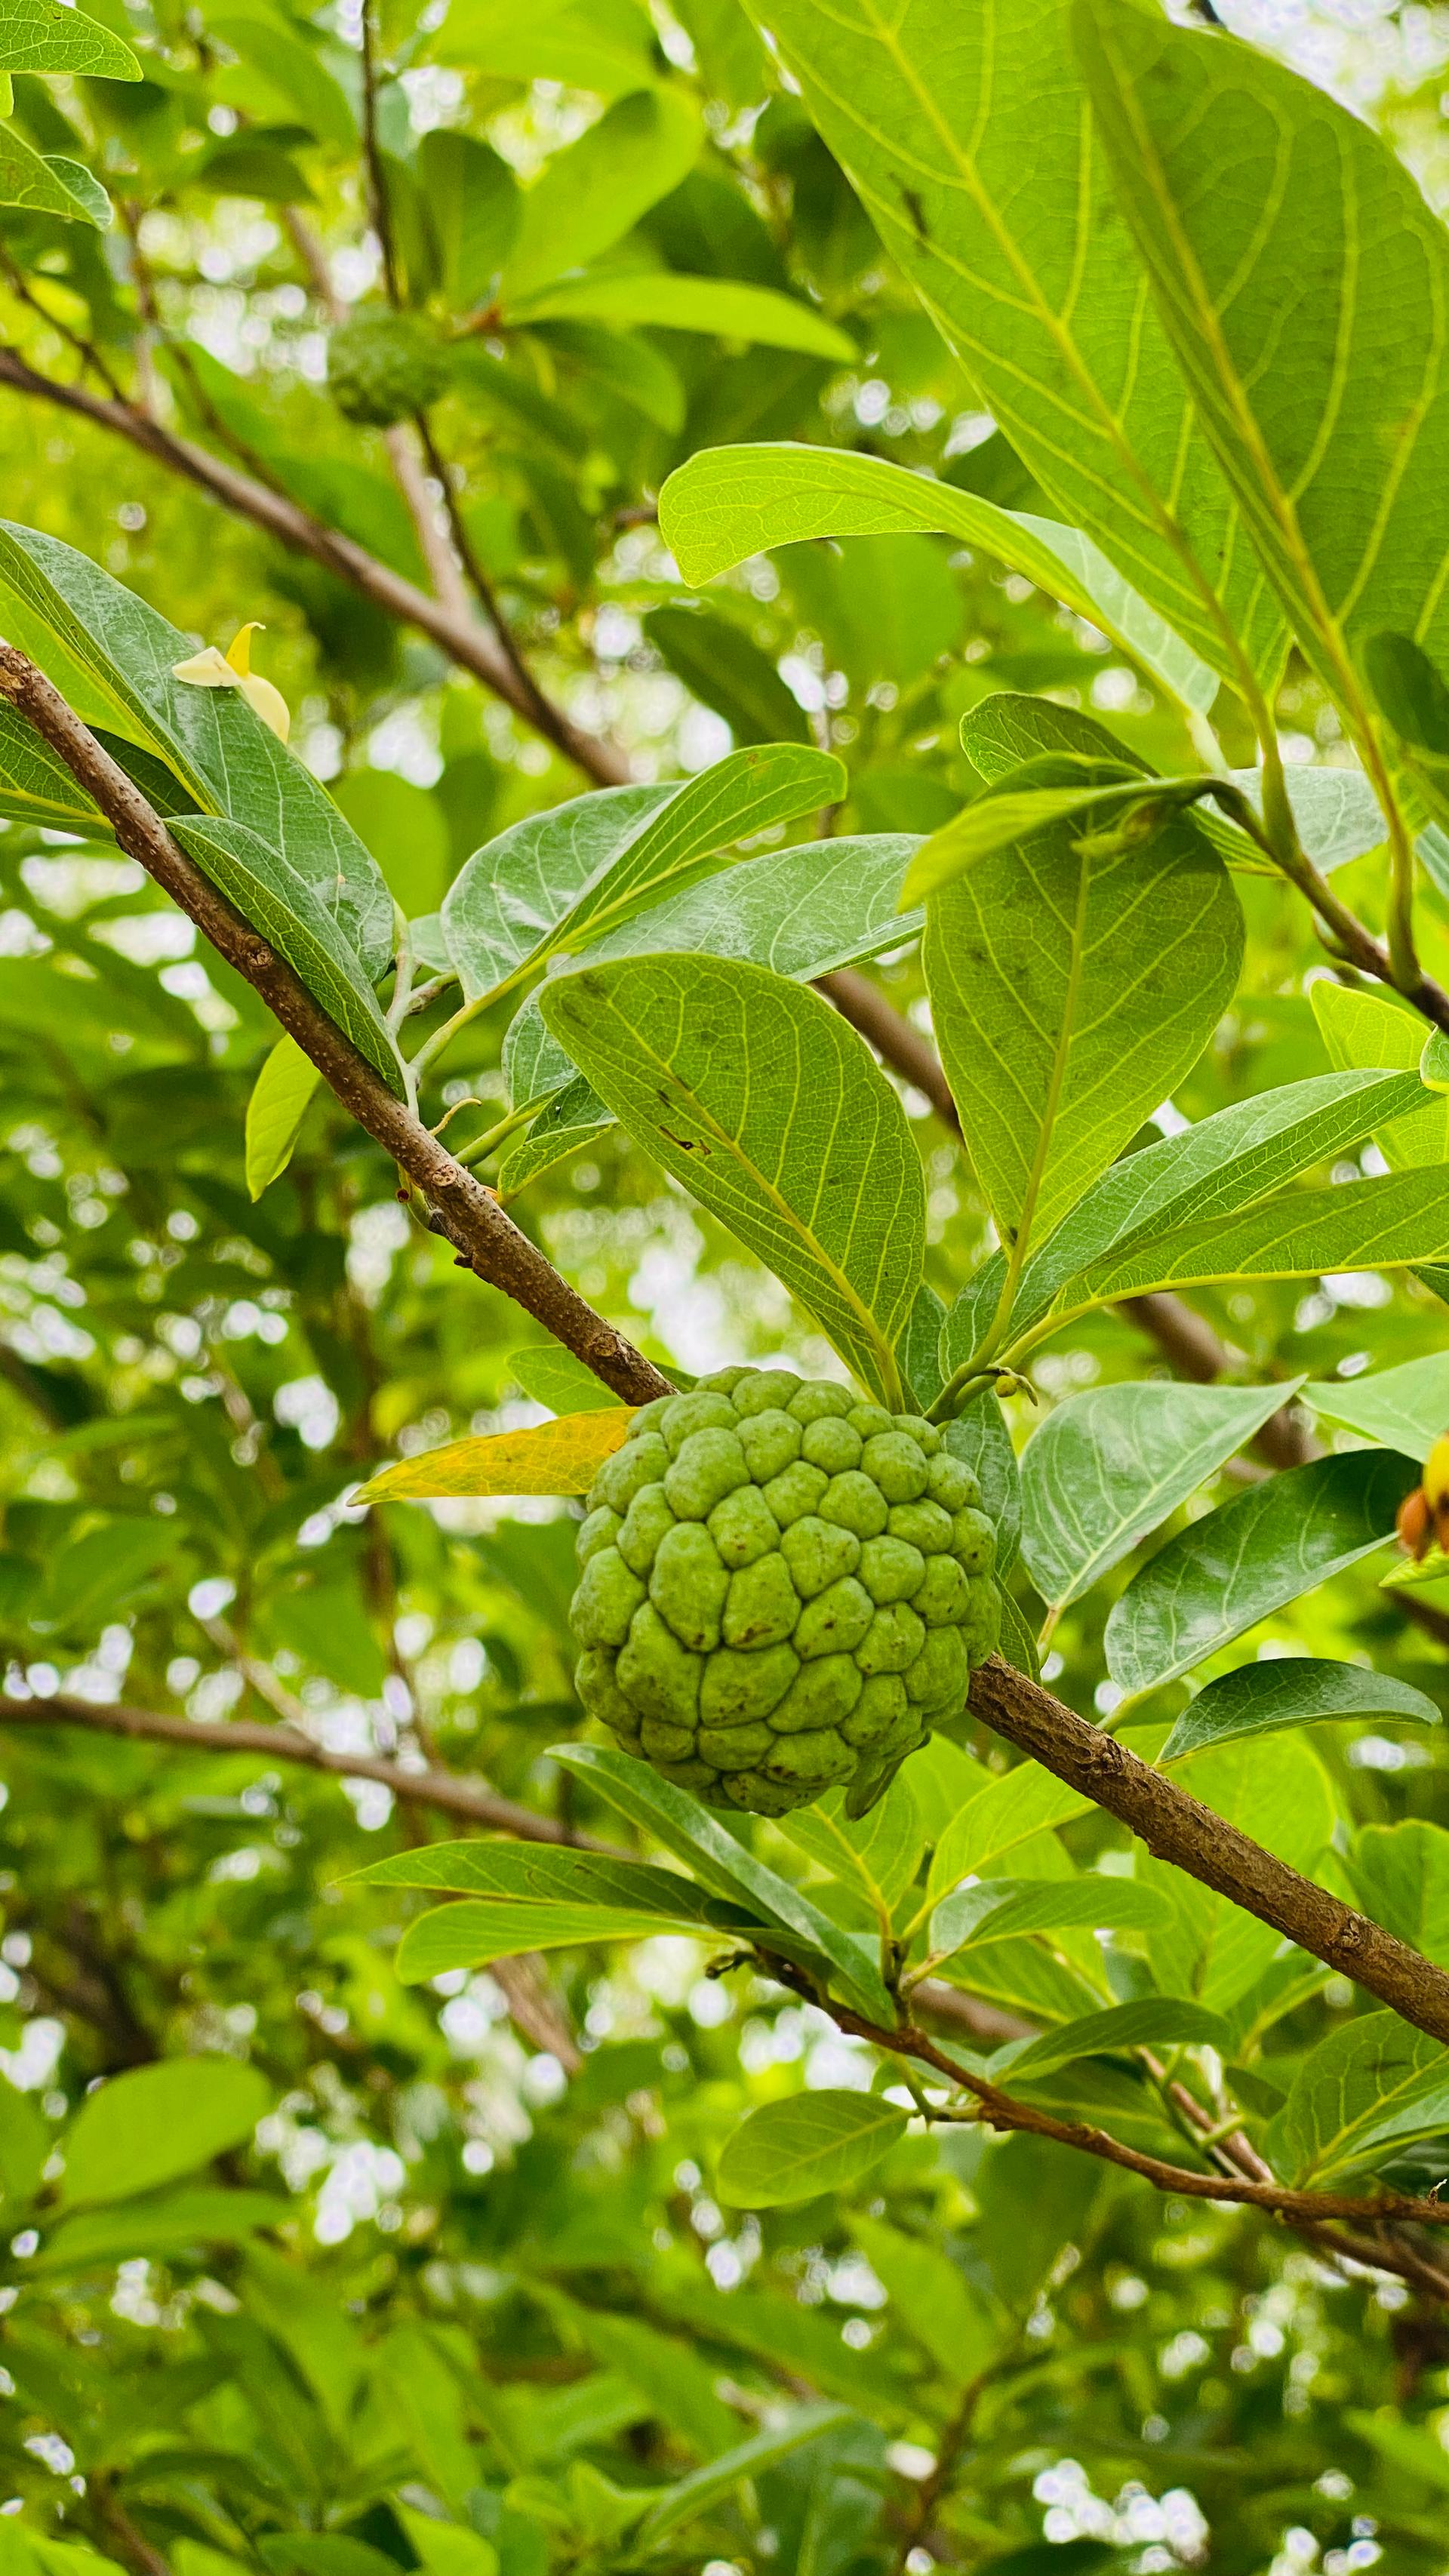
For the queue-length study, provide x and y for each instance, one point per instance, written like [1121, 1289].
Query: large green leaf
[1249, 1558]
[476, 1929]
[1108, 1466]
[156, 2121]
[876, 1855]
[1209, 1172]
[228, 761]
[1154, 2021]
[46, 36]
[1400, 1875]
[663, 300]
[964, 132]
[42, 184]
[721, 1863]
[1070, 992]
[1360, 1028]
[761, 1100]
[279, 1102]
[1367, 2090]
[589, 195]
[727, 503]
[285, 909]
[568, 878]
[35, 784]
[1298, 1691]
[1337, 448]
[1406, 1408]
[809, 2144]
[802, 912]
[509, 897]
[1370, 1225]
[1005, 1909]
[724, 669]
[749, 792]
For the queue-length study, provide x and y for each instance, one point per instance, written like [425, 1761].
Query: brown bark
[1178, 1828]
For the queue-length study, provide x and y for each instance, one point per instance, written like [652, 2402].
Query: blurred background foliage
[463, 2283]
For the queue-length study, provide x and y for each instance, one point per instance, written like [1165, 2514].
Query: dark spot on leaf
[917, 213]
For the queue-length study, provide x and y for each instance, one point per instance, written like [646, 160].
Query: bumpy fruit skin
[382, 366]
[782, 1589]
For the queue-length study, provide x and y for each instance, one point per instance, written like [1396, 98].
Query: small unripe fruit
[383, 366]
[782, 1589]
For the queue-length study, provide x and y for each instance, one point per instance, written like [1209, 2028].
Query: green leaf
[24, 2147]
[1224, 163]
[725, 504]
[1104, 814]
[980, 1439]
[283, 907]
[932, 2298]
[1370, 1029]
[967, 142]
[475, 205]
[1390, 1224]
[565, 1124]
[29, 179]
[1406, 1408]
[46, 36]
[1296, 1691]
[1070, 993]
[509, 897]
[689, 2497]
[1006, 1909]
[1337, 813]
[802, 912]
[809, 2144]
[877, 1854]
[722, 668]
[1155, 2021]
[760, 1099]
[1373, 2087]
[1005, 1813]
[1249, 1558]
[723, 1865]
[505, 1873]
[275, 1111]
[477, 1931]
[590, 866]
[552, 1376]
[722, 308]
[587, 196]
[1399, 1874]
[74, 618]
[1108, 1466]
[1017, 1645]
[746, 793]
[1278, 1791]
[677, 2385]
[154, 2122]
[35, 784]
[97, 2240]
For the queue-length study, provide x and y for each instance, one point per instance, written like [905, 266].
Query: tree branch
[465, 643]
[1178, 1828]
[486, 1241]
[439, 1789]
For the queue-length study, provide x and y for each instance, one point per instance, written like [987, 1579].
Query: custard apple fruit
[782, 1588]
[383, 366]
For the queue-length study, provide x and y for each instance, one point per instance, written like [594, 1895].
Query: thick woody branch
[485, 1240]
[1178, 1828]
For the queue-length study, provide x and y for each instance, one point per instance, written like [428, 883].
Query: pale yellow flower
[233, 670]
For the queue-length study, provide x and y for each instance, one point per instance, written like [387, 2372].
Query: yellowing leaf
[559, 1457]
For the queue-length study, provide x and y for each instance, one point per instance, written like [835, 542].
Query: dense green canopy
[856, 606]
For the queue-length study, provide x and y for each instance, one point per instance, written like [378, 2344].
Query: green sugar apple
[782, 1588]
[383, 366]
